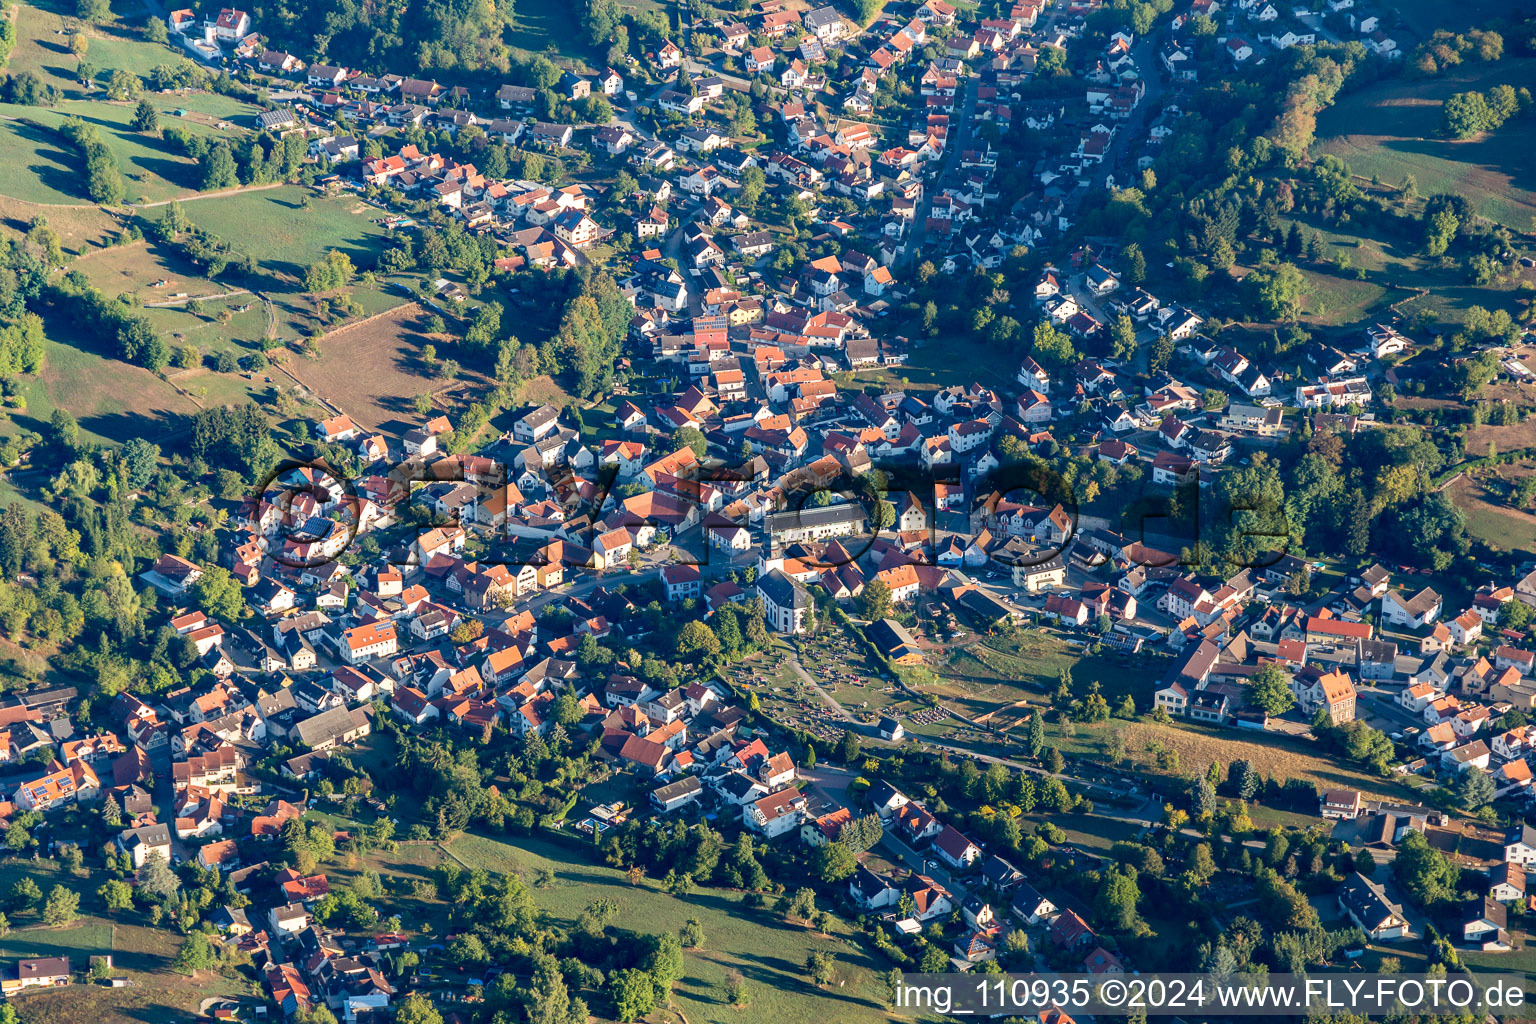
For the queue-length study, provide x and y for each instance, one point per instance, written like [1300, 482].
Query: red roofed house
[775, 814]
[954, 849]
[1071, 931]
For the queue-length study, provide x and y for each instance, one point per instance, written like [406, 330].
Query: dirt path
[170, 303]
[269, 314]
[196, 196]
[826, 698]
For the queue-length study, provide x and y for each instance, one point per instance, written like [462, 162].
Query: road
[1134, 128]
[961, 130]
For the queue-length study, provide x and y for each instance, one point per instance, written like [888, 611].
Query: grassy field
[140, 954]
[373, 370]
[79, 227]
[111, 399]
[49, 171]
[42, 46]
[935, 363]
[1336, 299]
[1403, 119]
[285, 235]
[769, 952]
[1492, 521]
[79, 941]
[999, 670]
[553, 29]
[1273, 755]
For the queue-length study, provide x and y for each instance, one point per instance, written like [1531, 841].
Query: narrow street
[1134, 128]
[960, 138]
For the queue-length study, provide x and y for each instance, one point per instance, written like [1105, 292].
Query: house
[1041, 576]
[1520, 845]
[683, 582]
[289, 919]
[1506, 883]
[1070, 931]
[1416, 611]
[775, 814]
[1331, 691]
[1343, 804]
[975, 947]
[1483, 924]
[337, 726]
[760, 60]
[45, 972]
[144, 842]
[871, 892]
[1367, 905]
[1029, 906]
[955, 849]
[930, 900]
[370, 640]
[677, 795]
[824, 23]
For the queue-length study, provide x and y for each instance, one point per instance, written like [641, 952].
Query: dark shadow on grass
[779, 973]
[157, 1013]
[1502, 151]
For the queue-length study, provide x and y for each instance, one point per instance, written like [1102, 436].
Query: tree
[1440, 228]
[1116, 901]
[218, 168]
[145, 117]
[467, 949]
[665, 961]
[1276, 291]
[156, 877]
[549, 1001]
[632, 993]
[1051, 62]
[697, 638]
[875, 601]
[196, 954]
[1054, 762]
[834, 862]
[1133, 264]
[1365, 863]
[1424, 872]
[155, 31]
[96, 12]
[116, 894]
[1036, 739]
[1162, 354]
[1053, 347]
[25, 895]
[819, 967]
[848, 749]
[219, 594]
[1475, 789]
[1122, 334]
[330, 273]
[417, 1009]
[689, 437]
[1270, 692]
[692, 933]
[1244, 779]
[63, 906]
[736, 990]
[1204, 797]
